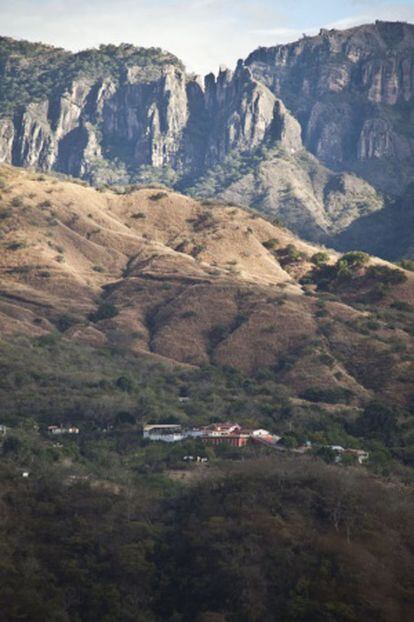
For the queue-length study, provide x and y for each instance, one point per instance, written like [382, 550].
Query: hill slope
[165, 276]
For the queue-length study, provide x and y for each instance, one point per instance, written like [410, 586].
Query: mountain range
[317, 134]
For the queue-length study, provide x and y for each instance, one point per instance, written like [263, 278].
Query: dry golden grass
[191, 282]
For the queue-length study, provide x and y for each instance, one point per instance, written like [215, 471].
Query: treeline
[33, 72]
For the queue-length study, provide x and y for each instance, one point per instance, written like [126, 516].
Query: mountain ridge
[121, 114]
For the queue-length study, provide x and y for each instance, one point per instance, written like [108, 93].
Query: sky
[203, 33]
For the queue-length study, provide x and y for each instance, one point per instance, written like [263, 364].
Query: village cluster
[227, 433]
[235, 435]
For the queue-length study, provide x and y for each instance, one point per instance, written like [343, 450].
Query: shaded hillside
[297, 190]
[300, 541]
[391, 228]
[241, 548]
[163, 275]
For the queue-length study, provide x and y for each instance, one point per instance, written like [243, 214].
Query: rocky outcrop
[171, 120]
[353, 92]
[245, 114]
[143, 122]
[6, 140]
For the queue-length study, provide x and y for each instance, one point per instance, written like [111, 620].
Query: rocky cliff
[105, 122]
[353, 94]
[316, 133]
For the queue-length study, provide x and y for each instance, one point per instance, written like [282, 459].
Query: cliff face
[353, 94]
[315, 133]
[102, 127]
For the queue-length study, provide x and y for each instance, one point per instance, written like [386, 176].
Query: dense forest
[265, 539]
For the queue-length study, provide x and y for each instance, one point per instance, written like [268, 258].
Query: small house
[166, 433]
[194, 432]
[59, 429]
[222, 429]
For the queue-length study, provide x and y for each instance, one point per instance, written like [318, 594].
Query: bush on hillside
[105, 311]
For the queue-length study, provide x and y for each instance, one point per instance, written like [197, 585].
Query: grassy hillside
[156, 273]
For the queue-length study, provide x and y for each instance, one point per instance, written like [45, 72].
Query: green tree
[379, 421]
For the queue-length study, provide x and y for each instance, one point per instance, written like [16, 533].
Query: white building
[166, 433]
[195, 432]
[56, 430]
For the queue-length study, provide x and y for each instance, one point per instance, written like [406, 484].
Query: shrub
[327, 454]
[5, 214]
[355, 259]
[124, 384]
[387, 275]
[378, 421]
[320, 258]
[269, 244]
[51, 339]
[158, 196]
[290, 254]
[64, 322]
[125, 418]
[197, 249]
[336, 395]
[217, 334]
[188, 314]
[407, 264]
[346, 266]
[15, 246]
[17, 202]
[105, 311]
[45, 204]
[401, 305]
[12, 445]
